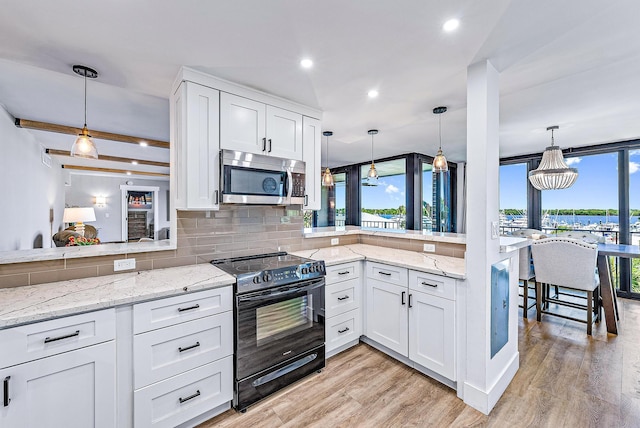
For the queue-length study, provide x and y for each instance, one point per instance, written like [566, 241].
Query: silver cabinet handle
[430, 285]
[189, 347]
[343, 331]
[182, 400]
[343, 298]
[196, 306]
[7, 400]
[66, 336]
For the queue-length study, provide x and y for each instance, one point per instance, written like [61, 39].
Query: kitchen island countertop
[425, 262]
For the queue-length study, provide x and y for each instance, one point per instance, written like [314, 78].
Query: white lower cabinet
[432, 333]
[413, 314]
[184, 368]
[387, 315]
[343, 307]
[180, 398]
[72, 389]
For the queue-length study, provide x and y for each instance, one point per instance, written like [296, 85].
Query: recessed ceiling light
[372, 93]
[144, 143]
[306, 63]
[451, 25]
[128, 172]
[134, 162]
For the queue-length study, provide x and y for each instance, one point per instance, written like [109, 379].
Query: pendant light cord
[552, 137]
[85, 98]
[440, 130]
[372, 149]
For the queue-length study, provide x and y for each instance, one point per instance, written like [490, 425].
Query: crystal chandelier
[553, 172]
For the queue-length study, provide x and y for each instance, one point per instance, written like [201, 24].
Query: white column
[485, 378]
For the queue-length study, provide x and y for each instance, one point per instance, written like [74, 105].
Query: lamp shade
[553, 172]
[440, 162]
[78, 215]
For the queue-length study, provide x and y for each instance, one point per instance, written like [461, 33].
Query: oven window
[281, 319]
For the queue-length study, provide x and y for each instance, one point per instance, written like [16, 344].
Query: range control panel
[280, 276]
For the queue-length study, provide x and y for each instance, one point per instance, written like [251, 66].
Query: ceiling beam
[67, 153]
[112, 170]
[70, 130]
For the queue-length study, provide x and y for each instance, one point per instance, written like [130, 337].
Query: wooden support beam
[111, 158]
[112, 170]
[70, 130]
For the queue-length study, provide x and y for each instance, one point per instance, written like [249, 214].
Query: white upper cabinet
[254, 127]
[243, 123]
[196, 146]
[311, 145]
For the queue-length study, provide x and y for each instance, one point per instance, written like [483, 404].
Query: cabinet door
[284, 133]
[432, 333]
[242, 124]
[74, 389]
[386, 320]
[311, 155]
[196, 146]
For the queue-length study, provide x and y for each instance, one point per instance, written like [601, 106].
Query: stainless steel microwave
[248, 178]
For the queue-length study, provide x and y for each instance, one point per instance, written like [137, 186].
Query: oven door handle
[275, 293]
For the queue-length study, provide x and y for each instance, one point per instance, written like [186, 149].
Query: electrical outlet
[429, 248]
[124, 264]
[335, 241]
[495, 232]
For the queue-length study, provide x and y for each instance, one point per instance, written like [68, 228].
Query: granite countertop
[452, 238]
[452, 267]
[31, 303]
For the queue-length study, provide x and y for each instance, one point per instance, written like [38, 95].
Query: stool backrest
[566, 262]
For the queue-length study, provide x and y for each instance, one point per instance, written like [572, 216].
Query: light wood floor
[566, 379]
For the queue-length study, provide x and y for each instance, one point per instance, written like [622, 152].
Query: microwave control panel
[298, 185]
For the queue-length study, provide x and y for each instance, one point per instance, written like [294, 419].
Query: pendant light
[440, 162]
[553, 172]
[84, 147]
[327, 177]
[372, 175]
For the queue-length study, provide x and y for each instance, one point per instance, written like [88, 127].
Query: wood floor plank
[566, 379]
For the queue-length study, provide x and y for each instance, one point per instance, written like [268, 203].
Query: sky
[596, 186]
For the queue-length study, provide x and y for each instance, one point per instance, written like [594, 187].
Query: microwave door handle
[288, 189]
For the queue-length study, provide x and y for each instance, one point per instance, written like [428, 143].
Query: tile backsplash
[206, 235]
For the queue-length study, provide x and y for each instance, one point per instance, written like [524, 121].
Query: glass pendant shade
[440, 162]
[553, 172]
[84, 147]
[372, 175]
[327, 177]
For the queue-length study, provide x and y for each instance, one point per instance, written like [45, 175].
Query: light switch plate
[335, 241]
[429, 248]
[124, 264]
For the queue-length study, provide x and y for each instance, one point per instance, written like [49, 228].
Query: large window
[427, 211]
[384, 205]
[513, 197]
[634, 216]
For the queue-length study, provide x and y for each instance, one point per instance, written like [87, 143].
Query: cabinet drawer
[181, 398]
[343, 329]
[343, 272]
[163, 353]
[33, 341]
[391, 274]
[174, 310]
[342, 297]
[432, 284]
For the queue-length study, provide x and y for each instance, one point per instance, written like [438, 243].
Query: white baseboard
[484, 401]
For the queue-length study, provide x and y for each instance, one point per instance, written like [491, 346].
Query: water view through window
[384, 205]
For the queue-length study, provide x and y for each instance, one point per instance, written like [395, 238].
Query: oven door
[247, 185]
[278, 324]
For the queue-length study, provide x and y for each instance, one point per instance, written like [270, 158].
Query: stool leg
[538, 301]
[589, 311]
[525, 296]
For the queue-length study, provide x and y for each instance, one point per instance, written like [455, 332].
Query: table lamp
[79, 216]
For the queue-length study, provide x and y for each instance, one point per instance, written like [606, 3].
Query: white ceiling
[573, 63]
